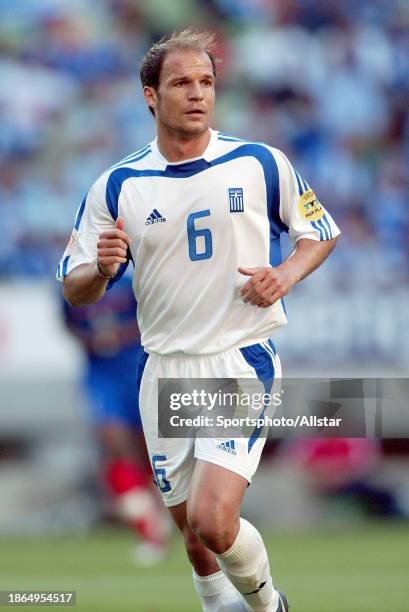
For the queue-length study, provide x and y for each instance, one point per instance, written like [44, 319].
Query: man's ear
[150, 95]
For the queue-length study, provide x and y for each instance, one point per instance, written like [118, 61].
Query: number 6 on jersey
[193, 234]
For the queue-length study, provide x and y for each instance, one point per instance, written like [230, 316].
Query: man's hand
[266, 285]
[85, 284]
[112, 248]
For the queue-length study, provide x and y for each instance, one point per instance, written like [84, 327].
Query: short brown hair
[151, 64]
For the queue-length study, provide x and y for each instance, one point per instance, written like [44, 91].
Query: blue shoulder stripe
[327, 223]
[80, 213]
[300, 186]
[228, 138]
[138, 152]
[320, 223]
[133, 157]
[317, 227]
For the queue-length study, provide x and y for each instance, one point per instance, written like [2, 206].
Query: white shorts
[173, 459]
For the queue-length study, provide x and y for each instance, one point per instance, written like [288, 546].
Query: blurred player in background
[200, 214]
[109, 334]
[345, 468]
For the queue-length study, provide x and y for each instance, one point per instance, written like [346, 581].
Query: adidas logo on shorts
[155, 217]
[228, 447]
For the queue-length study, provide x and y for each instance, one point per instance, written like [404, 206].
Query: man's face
[184, 100]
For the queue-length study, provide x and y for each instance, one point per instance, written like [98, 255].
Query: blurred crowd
[324, 81]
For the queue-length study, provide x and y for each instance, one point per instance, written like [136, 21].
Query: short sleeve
[300, 209]
[93, 217]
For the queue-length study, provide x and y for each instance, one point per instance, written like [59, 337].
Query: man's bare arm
[85, 284]
[267, 285]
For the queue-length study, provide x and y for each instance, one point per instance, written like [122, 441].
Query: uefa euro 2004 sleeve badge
[309, 206]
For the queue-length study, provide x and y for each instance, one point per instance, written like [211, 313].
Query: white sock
[246, 566]
[217, 594]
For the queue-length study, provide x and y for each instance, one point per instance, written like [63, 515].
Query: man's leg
[213, 512]
[215, 591]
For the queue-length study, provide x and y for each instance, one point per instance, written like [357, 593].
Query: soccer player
[109, 334]
[200, 214]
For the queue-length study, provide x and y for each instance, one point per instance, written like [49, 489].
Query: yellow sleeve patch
[309, 206]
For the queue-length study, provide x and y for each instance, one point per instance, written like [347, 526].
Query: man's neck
[176, 148]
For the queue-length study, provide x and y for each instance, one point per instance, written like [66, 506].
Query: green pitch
[364, 569]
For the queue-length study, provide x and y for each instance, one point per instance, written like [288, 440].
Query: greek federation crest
[236, 199]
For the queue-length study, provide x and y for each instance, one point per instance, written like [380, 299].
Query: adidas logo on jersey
[155, 217]
[228, 447]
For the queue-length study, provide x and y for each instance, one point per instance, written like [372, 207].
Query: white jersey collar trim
[208, 154]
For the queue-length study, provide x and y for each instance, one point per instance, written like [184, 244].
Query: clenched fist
[112, 248]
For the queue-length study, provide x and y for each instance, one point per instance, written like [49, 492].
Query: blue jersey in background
[109, 333]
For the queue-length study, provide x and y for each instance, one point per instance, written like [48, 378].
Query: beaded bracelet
[104, 274]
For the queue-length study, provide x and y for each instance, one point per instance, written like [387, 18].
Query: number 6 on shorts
[160, 474]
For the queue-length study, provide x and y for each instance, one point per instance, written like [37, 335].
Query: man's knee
[213, 528]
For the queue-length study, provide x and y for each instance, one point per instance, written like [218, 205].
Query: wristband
[103, 274]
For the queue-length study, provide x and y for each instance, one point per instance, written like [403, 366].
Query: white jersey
[192, 224]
